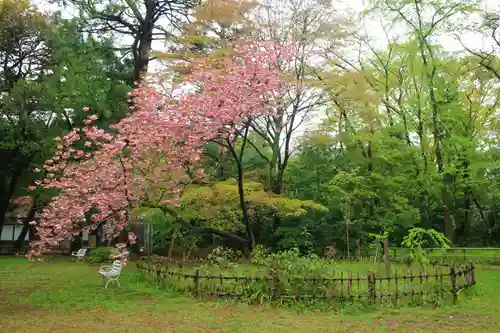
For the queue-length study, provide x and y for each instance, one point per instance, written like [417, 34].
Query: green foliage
[86, 73]
[218, 205]
[410, 139]
[418, 238]
[224, 257]
[381, 237]
[290, 264]
[100, 255]
[49, 71]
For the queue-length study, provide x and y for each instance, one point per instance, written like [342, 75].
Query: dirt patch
[21, 292]
[10, 309]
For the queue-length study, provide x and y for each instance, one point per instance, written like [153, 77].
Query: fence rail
[441, 282]
[449, 255]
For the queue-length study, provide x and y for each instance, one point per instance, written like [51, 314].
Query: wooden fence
[438, 283]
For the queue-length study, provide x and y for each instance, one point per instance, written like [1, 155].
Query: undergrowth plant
[100, 255]
[417, 238]
[288, 278]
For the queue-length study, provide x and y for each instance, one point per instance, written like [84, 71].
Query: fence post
[196, 280]
[372, 295]
[276, 287]
[453, 277]
[396, 287]
[386, 258]
[472, 274]
[158, 272]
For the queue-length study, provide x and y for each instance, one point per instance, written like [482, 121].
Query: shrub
[290, 263]
[100, 255]
[224, 257]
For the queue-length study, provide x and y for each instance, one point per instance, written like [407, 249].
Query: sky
[372, 27]
[449, 43]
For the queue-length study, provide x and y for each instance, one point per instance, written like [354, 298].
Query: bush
[291, 264]
[224, 257]
[100, 255]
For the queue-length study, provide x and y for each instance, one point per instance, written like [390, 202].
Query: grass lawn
[61, 296]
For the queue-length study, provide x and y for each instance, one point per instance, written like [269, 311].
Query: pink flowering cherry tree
[156, 150]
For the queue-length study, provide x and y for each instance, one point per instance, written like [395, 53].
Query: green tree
[142, 22]
[43, 91]
[23, 57]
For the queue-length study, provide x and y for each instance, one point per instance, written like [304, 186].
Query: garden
[60, 295]
[286, 276]
[249, 166]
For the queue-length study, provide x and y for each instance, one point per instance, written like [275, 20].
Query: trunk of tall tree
[369, 157]
[26, 226]
[244, 209]
[4, 204]
[318, 185]
[143, 43]
[347, 222]
[172, 244]
[7, 188]
[484, 219]
[275, 172]
[241, 191]
[448, 224]
[436, 133]
[422, 143]
[463, 229]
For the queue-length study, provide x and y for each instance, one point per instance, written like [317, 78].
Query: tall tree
[138, 22]
[488, 58]
[23, 56]
[157, 149]
[315, 29]
[83, 71]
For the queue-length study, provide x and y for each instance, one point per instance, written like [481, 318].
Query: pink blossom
[156, 128]
[132, 238]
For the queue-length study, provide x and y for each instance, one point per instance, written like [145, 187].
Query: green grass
[457, 255]
[62, 296]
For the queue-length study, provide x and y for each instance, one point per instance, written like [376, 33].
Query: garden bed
[312, 279]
